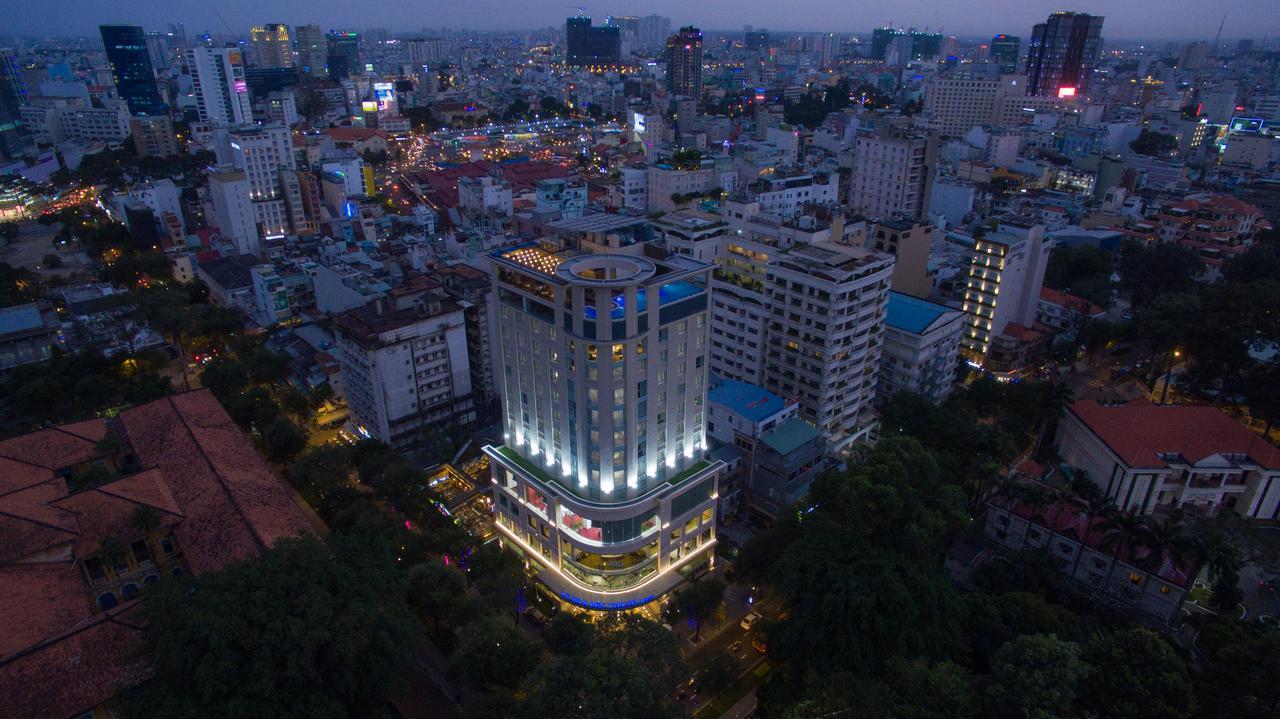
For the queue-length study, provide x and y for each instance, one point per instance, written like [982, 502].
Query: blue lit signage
[608, 606]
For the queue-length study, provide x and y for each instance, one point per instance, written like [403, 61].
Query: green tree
[1240, 682]
[1082, 271]
[1155, 144]
[569, 633]
[601, 684]
[1035, 677]
[308, 628]
[319, 472]
[283, 440]
[499, 578]
[701, 600]
[9, 231]
[1134, 674]
[1148, 271]
[918, 690]
[491, 652]
[436, 590]
[225, 377]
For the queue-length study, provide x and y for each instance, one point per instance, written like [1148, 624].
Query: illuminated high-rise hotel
[603, 484]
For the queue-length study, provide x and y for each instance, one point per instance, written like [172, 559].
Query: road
[718, 640]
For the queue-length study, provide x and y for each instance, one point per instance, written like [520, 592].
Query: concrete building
[909, 243]
[485, 194]
[1006, 272]
[893, 172]
[233, 213]
[405, 368]
[921, 348]
[562, 196]
[261, 152]
[28, 333]
[692, 233]
[1156, 458]
[1062, 54]
[271, 45]
[311, 50]
[684, 63]
[826, 321]
[153, 136]
[603, 485]
[218, 81]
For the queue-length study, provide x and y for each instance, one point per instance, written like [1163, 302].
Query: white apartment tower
[893, 173]
[218, 79]
[603, 484]
[233, 213]
[261, 152]
[827, 304]
[405, 367]
[1006, 271]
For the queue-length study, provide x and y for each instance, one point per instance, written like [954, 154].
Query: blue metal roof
[751, 401]
[20, 318]
[912, 314]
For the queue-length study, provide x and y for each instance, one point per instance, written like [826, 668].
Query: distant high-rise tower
[1005, 50]
[755, 39]
[684, 62]
[344, 54]
[311, 50]
[221, 90]
[1062, 54]
[15, 140]
[131, 68]
[586, 45]
[271, 46]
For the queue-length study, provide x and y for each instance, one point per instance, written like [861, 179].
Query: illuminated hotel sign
[607, 606]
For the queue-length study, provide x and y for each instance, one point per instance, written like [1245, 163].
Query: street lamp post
[1168, 375]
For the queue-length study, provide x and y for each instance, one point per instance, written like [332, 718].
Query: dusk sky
[1133, 18]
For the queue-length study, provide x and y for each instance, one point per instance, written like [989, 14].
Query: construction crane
[1218, 38]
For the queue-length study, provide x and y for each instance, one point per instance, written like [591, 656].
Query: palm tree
[1120, 531]
[1092, 506]
[1213, 548]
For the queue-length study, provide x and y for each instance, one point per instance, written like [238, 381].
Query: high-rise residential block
[221, 90]
[1006, 50]
[684, 63]
[262, 152]
[405, 369]
[131, 68]
[1006, 271]
[1062, 54]
[587, 46]
[826, 325]
[603, 484]
[921, 348]
[343, 58]
[311, 50]
[153, 136]
[893, 171]
[271, 45]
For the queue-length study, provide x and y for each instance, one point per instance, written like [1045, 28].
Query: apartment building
[1002, 292]
[921, 348]
[405, 367]
[893, 171]
[827, 305]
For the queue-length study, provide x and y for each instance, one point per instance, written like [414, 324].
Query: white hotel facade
[603, 485]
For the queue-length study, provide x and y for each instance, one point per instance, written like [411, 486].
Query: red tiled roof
[1138, 432]
[235, 505]
[40, 600]
[1070, 520]
[70, 674]
[59, 657]
[1068, 301]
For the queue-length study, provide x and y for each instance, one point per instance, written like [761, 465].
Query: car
[749, 621]
[735, 648]
[759, 645]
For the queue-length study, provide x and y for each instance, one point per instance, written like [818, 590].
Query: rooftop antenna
[1218, 38]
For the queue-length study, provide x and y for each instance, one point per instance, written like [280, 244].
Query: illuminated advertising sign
[241, 86]
[1066, 92]
[384, 94]
[369, 106]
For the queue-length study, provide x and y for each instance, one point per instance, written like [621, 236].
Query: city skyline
[1146, 19]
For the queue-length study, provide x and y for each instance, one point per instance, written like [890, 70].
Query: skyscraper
[757, 39]
[586, 46]
[603, 485]
[684, 62]
[15, 140]
[1062, 54]
[1005, 50]
[343, 59]
[221, 90]
[271, 46]
[131, 68]
[311, 50]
